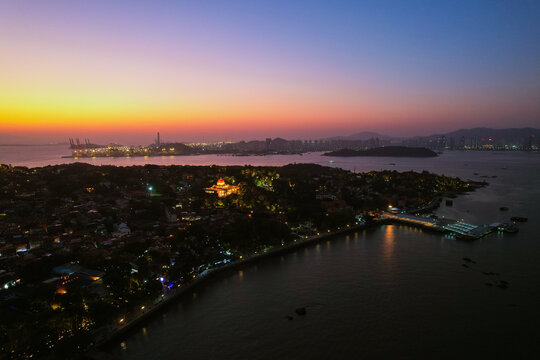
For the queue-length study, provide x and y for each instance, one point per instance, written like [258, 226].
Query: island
[88, 251]
[389, 151]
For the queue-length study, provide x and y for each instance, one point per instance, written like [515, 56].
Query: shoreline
[99, 348]
[168, 155]
[135, 322]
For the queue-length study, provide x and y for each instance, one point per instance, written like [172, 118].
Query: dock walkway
[459, 228]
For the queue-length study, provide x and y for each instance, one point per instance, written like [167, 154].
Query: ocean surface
[392, 292]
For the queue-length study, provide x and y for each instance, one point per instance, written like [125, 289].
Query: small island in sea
[391, 151]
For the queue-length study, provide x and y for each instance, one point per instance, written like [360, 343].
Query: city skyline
[269, 179]
[206, 71]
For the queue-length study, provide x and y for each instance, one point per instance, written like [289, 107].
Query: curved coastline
[108, 338]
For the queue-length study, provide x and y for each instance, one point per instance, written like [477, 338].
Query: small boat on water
[503, 208]
[331, 161]
[509, 228]
[518, 219]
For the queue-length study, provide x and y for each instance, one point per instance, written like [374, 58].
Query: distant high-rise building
[528, 142]
[442, 142]
[461, 142]
[475, 142]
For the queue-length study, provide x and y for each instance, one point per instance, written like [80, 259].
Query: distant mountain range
[509, 134]
[364, 135]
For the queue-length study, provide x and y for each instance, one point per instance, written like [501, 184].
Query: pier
[462, 230]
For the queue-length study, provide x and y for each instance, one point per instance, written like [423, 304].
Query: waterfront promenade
[106, 335]
[131, 321]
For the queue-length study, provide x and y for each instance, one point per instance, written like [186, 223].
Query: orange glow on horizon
[119, 69]
[92, 111]
[108, 97]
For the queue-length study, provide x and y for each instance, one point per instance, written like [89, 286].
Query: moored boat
[509, 228]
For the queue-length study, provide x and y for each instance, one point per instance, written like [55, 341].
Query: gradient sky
[207, 70]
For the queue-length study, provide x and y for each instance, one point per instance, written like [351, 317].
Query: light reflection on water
[389, 239]
[391, 292]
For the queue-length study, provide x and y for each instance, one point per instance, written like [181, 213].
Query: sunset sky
[227, 70]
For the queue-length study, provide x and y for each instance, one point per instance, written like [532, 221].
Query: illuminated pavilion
[222, 189]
